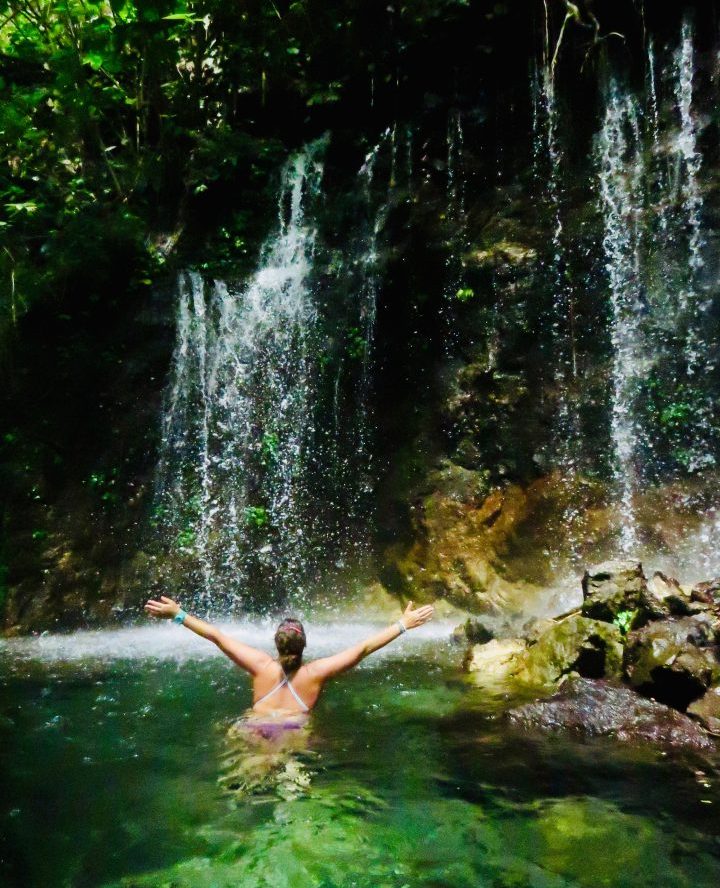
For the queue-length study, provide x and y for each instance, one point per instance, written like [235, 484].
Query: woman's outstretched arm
[249, 658]
[327, 667]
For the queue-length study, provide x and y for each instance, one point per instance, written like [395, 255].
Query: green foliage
[269, 448]
[356, 344]
[624, 620]
[103, 483]
[464, 294]
[256, 516]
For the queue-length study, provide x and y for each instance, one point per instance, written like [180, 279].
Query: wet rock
[458, 551]
[601, 709]
[535, 628]
[663, 586]
[665, 598]
[707, 710]
[591, 648]
[682, 605]
[707, 592]
[495, 661]
[671, 598]
[502, 251]
[472, 631]
[674, 661]
[613, 587]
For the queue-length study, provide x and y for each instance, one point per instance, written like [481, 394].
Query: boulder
[598, 708]
[674, 661]
[472, 631]
[576, 644]
[662, 586]
[707, 593]
[672, 598]
[495, 661]
[613, 587]
[707, 710]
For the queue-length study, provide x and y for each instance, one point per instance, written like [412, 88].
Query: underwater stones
[495, 660]
[599, 708]
[575, 644]
[613, 587]
[707, 710]
[674, 661]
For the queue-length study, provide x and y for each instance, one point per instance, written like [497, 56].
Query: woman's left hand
[165, 609]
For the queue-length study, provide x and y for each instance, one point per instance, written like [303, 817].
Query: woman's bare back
[305, 685]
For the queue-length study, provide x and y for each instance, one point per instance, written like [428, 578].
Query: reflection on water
[120, 770]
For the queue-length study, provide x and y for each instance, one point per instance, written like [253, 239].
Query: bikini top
[281, 684]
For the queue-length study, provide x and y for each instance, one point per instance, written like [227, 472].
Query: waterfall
[621, 174]
[455, 221]
[693, 303]
[548, 157]
[653, 246]
[239, 418]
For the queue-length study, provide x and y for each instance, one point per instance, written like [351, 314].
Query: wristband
[401, 626]
[180, 616]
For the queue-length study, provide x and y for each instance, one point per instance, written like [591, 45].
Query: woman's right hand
[412, 618]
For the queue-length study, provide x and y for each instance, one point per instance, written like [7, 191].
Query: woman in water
[267, 750]
[285, 686]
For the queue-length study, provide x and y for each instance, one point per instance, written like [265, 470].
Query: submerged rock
[599, 708]
[707, 710]
[674, 661]
[576, 644]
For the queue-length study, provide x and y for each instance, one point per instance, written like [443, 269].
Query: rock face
[461, 535]
[576, 644]
[598, 708]
[674, 661]
[707, 710]
[613, 587]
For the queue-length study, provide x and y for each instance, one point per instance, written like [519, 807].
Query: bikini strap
[285, 681]
[298, 698]
[273, 690]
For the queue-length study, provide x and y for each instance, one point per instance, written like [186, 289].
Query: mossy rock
[591, 648]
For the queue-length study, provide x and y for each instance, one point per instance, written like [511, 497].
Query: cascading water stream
[239, 421]
[653, 247]
[567, 439]
[455, 218]
[693, 303]
[621, 172]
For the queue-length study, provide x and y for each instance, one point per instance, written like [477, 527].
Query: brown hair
[290, 642]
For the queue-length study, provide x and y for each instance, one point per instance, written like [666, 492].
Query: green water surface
[112, 775]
